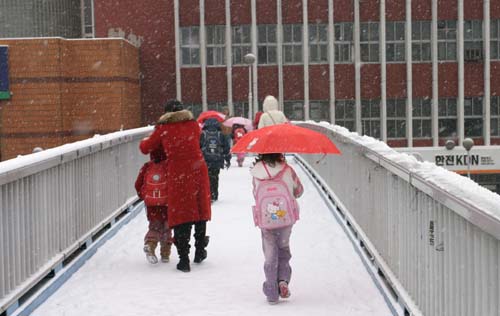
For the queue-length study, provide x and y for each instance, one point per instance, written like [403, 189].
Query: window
[242, 44]
[473, 117]
[345, 114]
[318, 43]
[495, 116]
[473, 40]
[422, 118]
[216, 40]
[396, 118]
[88, 18]
[240, 109]
[343, 42]
[319, 110]
[370, 117]
[292, 43]
[369, 42]
[196, 109]
[267, 48]
[294, 110]
[447, 40]
[216, 105]
[190, 45]
[494, 39]
[447, 117]
[395, 41]
[421, 41]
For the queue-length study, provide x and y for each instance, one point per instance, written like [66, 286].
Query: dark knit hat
[173, 105]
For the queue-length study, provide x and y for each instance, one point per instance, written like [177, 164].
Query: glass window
[473, 117]
[473, 40]
[292, 43]
[447, 117]
[216, 40]
[396, 118]
[369, 42]
[343, 42]
[294, 110]
[241, 43]
[421, 40]
[196, 109]
[318, 43]
[345, 114]
[370, 117]
[319, 111]
[447, 40]
[395, 41]
[266, 44]
[494, 39]
[190, 45]
[422, 117]
[495, 116]
[240, 109]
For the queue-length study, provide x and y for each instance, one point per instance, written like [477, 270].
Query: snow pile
[457, 185]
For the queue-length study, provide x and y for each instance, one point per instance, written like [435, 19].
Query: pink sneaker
[283, 288]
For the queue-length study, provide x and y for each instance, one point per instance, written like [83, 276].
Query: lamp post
[249, 59]
[468, 143]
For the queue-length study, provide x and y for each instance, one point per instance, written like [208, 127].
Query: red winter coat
[188, 188]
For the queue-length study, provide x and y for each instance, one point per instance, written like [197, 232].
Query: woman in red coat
[188, 188]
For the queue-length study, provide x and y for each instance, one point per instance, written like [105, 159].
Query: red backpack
[239, 133]
[154, 189]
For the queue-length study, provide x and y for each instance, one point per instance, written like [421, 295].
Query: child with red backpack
[238, 132]
[151, 188]
[275, 189]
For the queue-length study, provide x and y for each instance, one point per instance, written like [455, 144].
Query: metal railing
[53, 201]
[439, 252]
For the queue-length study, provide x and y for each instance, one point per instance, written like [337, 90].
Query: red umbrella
[211, 114]
[285, 138]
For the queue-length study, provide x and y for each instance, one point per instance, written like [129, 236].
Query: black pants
[213, 174]
[182, 235]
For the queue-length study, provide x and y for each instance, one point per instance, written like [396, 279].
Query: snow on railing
[433, 234]
[55, 201]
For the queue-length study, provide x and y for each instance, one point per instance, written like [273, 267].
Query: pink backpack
[275, 207]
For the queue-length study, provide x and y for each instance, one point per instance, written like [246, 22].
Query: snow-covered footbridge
[380, 234]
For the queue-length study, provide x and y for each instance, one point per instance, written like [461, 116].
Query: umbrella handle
[322, 157]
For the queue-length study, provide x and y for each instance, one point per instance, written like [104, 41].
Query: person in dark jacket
[215, 149]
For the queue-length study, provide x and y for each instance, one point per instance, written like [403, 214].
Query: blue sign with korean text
[4, 73]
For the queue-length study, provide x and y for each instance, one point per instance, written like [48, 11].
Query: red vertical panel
[494, 10]
[345, 83]
[319, 82]
[191, 85]
[369, 10]
[422, 80]
[395, 10]
[447, 9]
[153, 22]
[448, 80]
[293, 85]
[421, 10]
[396, 81]
[422, 142]
[189, 12]
[241, 12]
[395, 143]
[267, 12]
[473, 79]
[215, 12]
[495, 77]
[473, 9]
[343, 10]
[291, 11]
[268, 82]
[216, 84]
[317, 11]
[370, 81]
[240, 84]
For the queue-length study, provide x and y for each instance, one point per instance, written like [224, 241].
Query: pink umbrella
[239, 120]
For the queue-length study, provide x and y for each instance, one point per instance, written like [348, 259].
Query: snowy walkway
[328, 277]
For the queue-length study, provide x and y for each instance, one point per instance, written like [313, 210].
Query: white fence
[439, 252]
[53, 202]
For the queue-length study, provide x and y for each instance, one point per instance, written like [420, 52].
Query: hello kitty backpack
[275, 207]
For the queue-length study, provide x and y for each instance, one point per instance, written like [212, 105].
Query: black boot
[201, 241]
[182, 233]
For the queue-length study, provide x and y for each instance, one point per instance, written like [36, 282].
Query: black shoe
[183, 265]
[200, 255]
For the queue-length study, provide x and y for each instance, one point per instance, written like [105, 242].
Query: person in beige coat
[271, 115]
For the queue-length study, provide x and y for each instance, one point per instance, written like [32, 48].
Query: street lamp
[468, 143]
[249, 59]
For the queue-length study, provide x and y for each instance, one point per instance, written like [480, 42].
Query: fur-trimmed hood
[175, 117]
